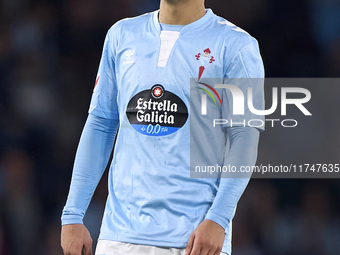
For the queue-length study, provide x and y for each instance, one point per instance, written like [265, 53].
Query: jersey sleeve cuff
[67, 219]
[222, 221]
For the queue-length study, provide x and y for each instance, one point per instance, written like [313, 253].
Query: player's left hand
[207, 239]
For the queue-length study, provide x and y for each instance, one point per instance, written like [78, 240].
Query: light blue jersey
[144, 83]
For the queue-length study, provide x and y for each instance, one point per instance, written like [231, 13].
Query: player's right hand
[75, 238]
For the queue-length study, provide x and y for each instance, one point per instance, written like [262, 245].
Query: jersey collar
[192, 26]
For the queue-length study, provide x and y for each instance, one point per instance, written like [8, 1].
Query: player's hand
[207, 239]
[75, 238]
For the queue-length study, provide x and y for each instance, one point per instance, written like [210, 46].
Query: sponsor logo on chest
[156, 112]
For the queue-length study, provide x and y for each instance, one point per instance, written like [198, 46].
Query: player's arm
[92, 156]
[208, 237]
[93, 152]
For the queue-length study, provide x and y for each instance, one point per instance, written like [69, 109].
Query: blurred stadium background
[49, 54]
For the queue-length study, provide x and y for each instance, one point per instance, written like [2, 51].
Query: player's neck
[182, 12]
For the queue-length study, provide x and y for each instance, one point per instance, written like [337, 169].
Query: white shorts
[105, 247]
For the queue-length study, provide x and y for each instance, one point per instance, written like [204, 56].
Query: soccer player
[143, 89]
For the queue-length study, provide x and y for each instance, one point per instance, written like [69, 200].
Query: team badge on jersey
[205, 58]
[156, 112]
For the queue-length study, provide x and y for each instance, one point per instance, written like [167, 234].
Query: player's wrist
[220, 220]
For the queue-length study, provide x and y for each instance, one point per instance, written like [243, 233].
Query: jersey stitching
[238, 53]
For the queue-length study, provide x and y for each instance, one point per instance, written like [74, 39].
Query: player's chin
[175, 1]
